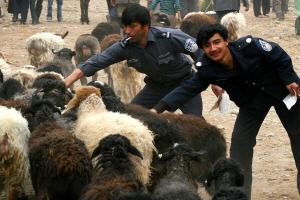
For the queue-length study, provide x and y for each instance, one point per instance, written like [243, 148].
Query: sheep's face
[5, 151]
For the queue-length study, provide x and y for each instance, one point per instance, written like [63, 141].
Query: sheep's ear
[165, 157]
[96, 152]
[72, 103]
[65, 34]
[240, 179]
[210, 177]
[134, 151]
[198, 156]
[73, 53]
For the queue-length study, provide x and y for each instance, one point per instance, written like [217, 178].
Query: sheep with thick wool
[236, 25]
[95, 122]
[14, 162]
[175, 185]
[40, 46]
[114, 171]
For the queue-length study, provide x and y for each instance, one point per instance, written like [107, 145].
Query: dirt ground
[274, 171]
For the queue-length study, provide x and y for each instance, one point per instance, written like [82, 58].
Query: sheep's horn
[64, 35]
[54, 52]
[135, 152]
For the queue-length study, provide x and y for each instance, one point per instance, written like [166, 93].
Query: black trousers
[36, 9]
[21, 6]
[265, 7]
[153, 92]
[246, 129]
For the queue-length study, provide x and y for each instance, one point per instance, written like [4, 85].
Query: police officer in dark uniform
[155, 51]
[257, 75]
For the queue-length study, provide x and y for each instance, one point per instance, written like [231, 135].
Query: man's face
[135, 31]
[216, 48]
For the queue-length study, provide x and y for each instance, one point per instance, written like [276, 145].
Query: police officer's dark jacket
[264, 68]
[162, 59]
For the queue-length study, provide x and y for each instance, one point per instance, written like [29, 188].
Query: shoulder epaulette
[244, 43]
[124, 41]
[163, 34]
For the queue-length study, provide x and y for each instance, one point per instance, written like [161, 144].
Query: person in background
[158, 52]
[21, 6]
[36, 9]
[257, 75]
[122, 4]
[169, 8]
[59, 10]
[280, 7]
[222, 7]
[265, 4]
[188, 6]
[112, 13]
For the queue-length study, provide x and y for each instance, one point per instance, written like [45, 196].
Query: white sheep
[40, 46]
[14, 162]
[25, 76]
[95, 122]
[236, 25]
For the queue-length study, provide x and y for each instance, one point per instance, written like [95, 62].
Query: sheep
[231, 193]
[84, 7]
[14, 162]
[5, 69]
[202, 136]
[192, 23]
[95, 122]
[162, 20]
[17, 104]
[40, 46]
[61, 60]
[59, 163]
[1, 79]
[175, 185]
[25, 77]
[128, 78]
[86, 46]
[227, 173]
[10, 88]
[236, 25]
[105, 28]
[114, 171]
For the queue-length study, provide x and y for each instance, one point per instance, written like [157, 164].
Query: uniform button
[246, 82]
[223, 82]
[254, 83]
[262, 88]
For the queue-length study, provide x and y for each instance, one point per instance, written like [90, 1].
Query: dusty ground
[274, 170]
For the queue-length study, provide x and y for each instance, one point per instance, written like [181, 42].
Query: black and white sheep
[114, 171]
[40, 46]
[14, 162]
[105, 28]
[175, 185]
[95, 122]
[86, 46]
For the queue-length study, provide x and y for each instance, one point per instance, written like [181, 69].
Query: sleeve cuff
[161, 107]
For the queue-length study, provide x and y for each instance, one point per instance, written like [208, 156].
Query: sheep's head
[179, 157]
[65, 54]
[228, 172]
[81, 94]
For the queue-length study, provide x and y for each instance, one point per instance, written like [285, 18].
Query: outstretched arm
[77, 74]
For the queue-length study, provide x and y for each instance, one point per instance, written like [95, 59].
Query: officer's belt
[179, 80]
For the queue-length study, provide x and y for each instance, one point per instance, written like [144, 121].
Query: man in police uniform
[155, 51]
[257, 75]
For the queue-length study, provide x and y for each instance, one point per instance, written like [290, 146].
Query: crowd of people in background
[22, 6]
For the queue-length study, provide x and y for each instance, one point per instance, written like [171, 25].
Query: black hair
[136, 13]
[209, 30]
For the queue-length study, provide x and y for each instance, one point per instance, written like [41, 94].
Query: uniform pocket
[166, 63]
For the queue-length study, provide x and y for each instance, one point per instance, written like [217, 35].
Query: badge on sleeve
[265, 46]
[190, 45]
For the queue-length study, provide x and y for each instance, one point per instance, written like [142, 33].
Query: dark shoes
[15, 19]
[60, 19]
[49, 19]
[22, 23]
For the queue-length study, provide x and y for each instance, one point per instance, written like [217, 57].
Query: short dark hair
[136, 13]
[209, 30]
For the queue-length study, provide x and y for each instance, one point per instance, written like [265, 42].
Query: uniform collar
[150, 36]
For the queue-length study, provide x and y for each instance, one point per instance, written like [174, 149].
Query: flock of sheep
[85, 143]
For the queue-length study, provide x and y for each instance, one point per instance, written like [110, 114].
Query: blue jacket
[266, 68]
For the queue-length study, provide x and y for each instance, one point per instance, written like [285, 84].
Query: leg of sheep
[13, 193]
[125, 94]
[83, 80]
[95, 76]
[82, 11]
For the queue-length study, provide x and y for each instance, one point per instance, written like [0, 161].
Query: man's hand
[154, 111]
[113, 3]
[246, 8]
[294, 87]
[218, 91]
